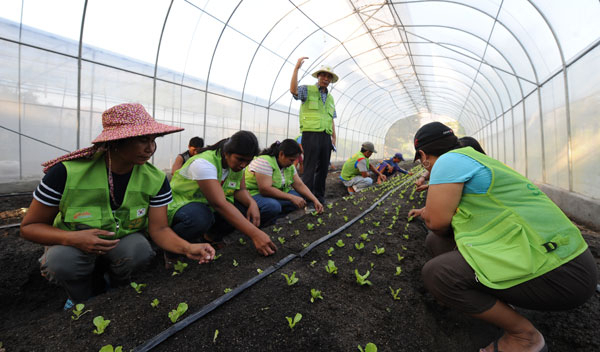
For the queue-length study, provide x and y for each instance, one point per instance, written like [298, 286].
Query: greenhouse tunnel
[519, 76]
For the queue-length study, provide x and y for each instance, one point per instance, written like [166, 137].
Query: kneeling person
[271, 177]
[355, 172]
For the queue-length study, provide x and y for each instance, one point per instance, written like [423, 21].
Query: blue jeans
[195, 219]
[273, 208]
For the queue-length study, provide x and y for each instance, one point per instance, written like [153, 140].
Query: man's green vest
[349, 170]
[314, 115]
[514, 232]
[85, 202]
[186, 190]
[288, 174]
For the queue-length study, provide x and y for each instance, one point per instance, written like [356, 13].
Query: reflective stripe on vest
[85, 202]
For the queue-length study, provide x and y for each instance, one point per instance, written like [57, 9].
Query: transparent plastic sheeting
[520, 76]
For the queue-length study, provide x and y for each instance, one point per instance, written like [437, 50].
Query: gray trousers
[72, 268]
[358, 182]
[452, 282]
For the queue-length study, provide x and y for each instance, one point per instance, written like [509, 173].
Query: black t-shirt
[52, 186]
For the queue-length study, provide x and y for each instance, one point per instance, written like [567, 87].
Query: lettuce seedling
[376, 223]
[154, 303]
[350, 259]
[371, 232]
[395, 293]
[304, 245]
[313, 263]
[215, 336]
[348, 235]
[310, 226]
[340, 243]
[320, 221]
[176, 313]
[235, 263]
[277, 229]
[259, 270]
[378, 250]
[227, 290]
[361, 221]
[242, 241]
[390, 226]
[296, 232]
[292, 279]
[362, 279]
[314, 213]
[179, 268]
[330, 251]
[281, 240]
[329, 215]
[137, 287]
[331, 268]
[105, 348]
[345, 218]
[217, 256]
[410, 218]
[329, 206]
[78, 311]
[359, 246]
[370, 347]
[364, 236]
[399, 257]
[314, 295]
[405, 237]
[100, 324]
[403, 248]
[388, 233]
[398, 271]
[293, 323]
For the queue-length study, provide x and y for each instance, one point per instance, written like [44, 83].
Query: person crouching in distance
[273, 182]
[193, 147]
[355, 172]
[390, 167]
[94, 207]
[497, 241]
[210, 198]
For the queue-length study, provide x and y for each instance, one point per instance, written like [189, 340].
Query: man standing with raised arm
[317, 114]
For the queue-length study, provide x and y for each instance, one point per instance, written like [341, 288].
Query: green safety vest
[349, 170]
[514, 232]
[186, 190]
[314, 115]
[85, 202]
[285, 186]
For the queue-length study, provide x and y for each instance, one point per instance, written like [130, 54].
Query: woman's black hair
[441, 145]
[471, 142]
[241, 142]
[289, 147]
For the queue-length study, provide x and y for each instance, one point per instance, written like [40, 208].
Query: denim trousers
[273, 208]
[195, 219]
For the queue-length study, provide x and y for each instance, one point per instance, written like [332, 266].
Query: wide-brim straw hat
[119, 122]
[327, 69]
[130, 120]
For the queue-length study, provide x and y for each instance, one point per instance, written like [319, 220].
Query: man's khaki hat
[369, 146]
[327, 69]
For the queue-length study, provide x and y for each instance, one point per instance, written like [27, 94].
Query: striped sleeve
[50, 190]
[163, 197]
[261, 166]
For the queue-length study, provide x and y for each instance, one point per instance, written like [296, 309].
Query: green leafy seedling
[78, 311]
[370, 347]
[180, 267]
[313, 263]
[314, 213]
[292, 279]
[378, 250]
[320, 221]
[304, 245]
[154, 303]
[137, 287]
[410, 218]
[242, 241]
[345, 218]
[348, 235]
[376, 223]
[176, 313]
[227, 290]
[340, 243]
[281, 240]
[235, 263]
[399, 257]
[361, 221]
[395, 293]
[362, 279]
[295, 321]
[370, 232]
[277, 229]
[350, 259]
[105, 348]
[359, 246]
[310, 226]
[314, 294]
[100, 324]
[296, 232]
[331, 268]
[330, 251]
[398, 271]
[329, 206]
[364, 236]
[259, 270]
[215, 336]
[217, 256]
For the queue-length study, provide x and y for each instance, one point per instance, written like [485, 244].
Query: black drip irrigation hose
[9, 226]
[165, 334]
[15, 194]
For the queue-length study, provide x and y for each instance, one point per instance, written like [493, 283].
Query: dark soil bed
[349, 315]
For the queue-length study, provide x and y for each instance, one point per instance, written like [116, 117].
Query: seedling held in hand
[314, 295]
[100, 324]
[292, 279]
[176, 313]
[362, 279]
[154, 303]
[78, 311]
[137, 287]
[180, 267]
[295, 321]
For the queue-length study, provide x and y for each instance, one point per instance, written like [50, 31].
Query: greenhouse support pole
[80, 52]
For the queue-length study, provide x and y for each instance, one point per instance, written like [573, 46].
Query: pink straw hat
[119, 122]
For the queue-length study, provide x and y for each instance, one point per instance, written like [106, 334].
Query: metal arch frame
[441, 93]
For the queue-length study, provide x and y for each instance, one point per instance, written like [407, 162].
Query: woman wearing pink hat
[94, 206]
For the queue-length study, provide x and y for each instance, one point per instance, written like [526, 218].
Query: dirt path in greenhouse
[348, 315]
